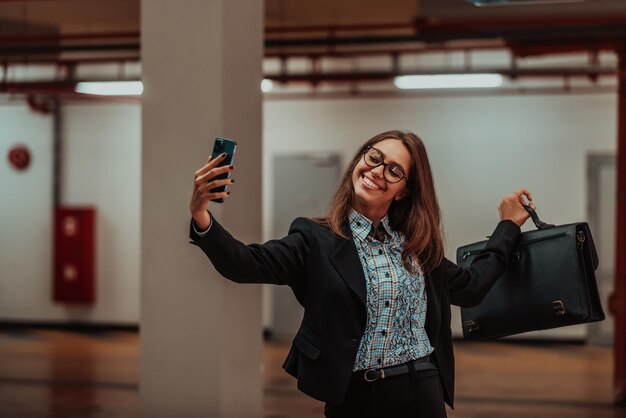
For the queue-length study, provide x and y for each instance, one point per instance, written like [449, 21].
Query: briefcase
[549, 283]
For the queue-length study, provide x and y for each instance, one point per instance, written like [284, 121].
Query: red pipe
[516, 22]
[70, 61]
[23, 39]
[339, 77]
[340, 28]
[454, 25]
[420, 24]
[518, 50]
[380, 76]
[525, 50]
[390, 51]
[63, 90]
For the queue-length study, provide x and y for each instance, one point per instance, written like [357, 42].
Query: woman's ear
[401, 195]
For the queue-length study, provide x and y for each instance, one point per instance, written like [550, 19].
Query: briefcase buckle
[471, 326]
[515, 256]
[558, 308]
[581, 238]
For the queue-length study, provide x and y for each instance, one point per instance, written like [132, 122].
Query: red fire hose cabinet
[74, 255]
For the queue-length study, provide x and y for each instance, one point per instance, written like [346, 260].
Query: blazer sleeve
[467, 287]
[278, 261]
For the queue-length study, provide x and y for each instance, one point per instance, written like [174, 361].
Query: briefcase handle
[536, 220]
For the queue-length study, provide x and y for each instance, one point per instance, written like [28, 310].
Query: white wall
[25, 216]
[100, 161]
[481, 148]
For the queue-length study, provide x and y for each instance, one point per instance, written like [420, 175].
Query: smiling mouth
[369, 183]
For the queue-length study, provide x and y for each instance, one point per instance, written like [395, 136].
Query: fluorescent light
[447, 81]
[266, 85]
[111, 88]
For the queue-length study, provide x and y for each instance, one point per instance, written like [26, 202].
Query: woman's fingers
[216, 183]
[212, 173]
[214, 196]
[523, 192]
[511, 206]
[211, 163]
[514, 199]
[202, 185]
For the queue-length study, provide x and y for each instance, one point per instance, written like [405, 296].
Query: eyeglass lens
[392, 172]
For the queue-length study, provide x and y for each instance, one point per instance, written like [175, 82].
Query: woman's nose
[379, 171]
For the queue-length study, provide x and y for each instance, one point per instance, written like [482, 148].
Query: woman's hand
[511, 206]
[202, 189]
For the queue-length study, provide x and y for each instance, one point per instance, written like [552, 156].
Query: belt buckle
[367, 379]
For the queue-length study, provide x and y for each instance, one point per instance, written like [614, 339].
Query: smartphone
[228, 146]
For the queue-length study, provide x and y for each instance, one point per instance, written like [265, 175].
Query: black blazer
[325, 274]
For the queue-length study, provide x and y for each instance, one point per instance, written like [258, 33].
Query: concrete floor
[49, 373]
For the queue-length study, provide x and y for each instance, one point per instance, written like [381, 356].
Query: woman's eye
[374, 159]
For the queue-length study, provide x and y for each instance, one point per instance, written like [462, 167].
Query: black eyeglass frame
[384, 164]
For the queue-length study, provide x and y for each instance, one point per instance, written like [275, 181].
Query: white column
[200, 335]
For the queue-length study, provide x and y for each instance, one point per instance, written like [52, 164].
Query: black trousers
[415, 396]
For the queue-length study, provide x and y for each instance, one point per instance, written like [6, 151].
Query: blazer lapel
[346, 261]
[431, 304]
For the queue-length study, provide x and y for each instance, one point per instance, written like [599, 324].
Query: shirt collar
[361, 226]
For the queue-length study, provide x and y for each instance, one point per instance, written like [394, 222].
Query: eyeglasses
[393, 173]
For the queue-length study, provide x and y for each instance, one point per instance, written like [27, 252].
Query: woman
[376, 288]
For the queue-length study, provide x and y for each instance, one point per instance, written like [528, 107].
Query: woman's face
[372, 191]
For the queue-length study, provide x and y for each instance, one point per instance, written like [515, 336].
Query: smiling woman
[381, 173]
[410, 204]
[376, 288]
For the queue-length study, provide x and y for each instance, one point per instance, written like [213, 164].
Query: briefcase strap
[538, 222]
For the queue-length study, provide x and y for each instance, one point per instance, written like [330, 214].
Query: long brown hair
[417, 216]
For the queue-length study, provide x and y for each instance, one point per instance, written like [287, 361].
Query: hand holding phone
[220, 147]
[210, 181]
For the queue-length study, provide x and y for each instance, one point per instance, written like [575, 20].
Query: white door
[303, 186]
[602, 189]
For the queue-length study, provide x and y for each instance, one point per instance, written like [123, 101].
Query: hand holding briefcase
[549, 283]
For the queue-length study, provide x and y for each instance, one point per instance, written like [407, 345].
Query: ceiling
[23, 17]
[67, 16]
[67, 33]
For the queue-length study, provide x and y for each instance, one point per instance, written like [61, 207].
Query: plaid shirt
[396, 300]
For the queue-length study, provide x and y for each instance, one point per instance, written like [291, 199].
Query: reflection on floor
[46, 373]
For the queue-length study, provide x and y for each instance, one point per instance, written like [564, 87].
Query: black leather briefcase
[549, 283]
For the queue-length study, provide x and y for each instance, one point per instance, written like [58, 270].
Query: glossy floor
[46, 373]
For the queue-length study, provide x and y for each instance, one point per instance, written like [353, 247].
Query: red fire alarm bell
[19, 157]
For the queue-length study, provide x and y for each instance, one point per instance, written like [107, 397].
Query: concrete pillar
[200, 335]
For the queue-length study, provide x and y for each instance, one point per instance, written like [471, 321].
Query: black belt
[420, 364]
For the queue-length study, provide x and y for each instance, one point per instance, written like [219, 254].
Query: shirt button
[379, 361]
[387, 303]
[386, 274]
[358, 224]
[380, 252]
[384, 332]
